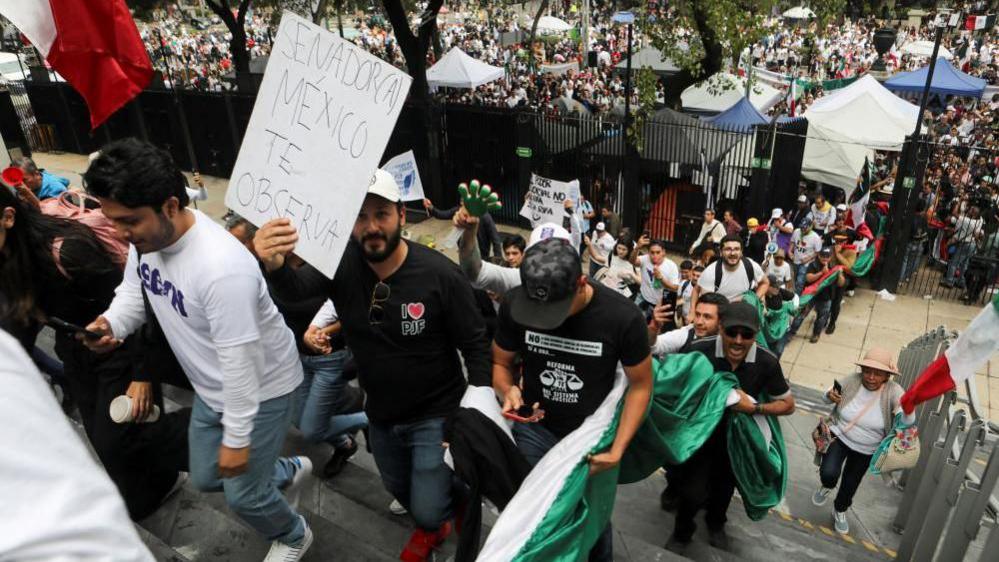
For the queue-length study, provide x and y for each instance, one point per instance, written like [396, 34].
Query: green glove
[479, 199]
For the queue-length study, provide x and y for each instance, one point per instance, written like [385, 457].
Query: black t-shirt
[298, 313]
[826, 293]
[755, 374]
[757, 246]
[408, 364]
[570, 370]
[845, 236]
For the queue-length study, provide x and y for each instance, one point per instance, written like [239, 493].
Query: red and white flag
[93, 44]
[976, 344]
[792, 104]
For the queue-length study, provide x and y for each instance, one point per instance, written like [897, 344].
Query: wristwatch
[758, 409]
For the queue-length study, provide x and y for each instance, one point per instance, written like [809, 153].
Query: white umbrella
[551, 24]
[925, 49]
[799, 13]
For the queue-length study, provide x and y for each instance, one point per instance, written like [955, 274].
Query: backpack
[749, 273]
[65, 207]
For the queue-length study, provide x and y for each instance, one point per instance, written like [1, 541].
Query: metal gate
[36, 137]
[938, 261]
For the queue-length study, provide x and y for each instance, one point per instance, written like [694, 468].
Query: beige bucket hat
[881, 359]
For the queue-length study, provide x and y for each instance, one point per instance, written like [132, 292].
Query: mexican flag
[560, 510]
[976, 344]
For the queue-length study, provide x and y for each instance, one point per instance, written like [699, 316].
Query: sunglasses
[744, 333]
[376, 312]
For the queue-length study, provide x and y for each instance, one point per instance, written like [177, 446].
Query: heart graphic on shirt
[415, 310]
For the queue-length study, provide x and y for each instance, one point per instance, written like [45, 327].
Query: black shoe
[814, 338]
[338, 460]
[669, 499]
[718, 539]
[677, 545]
[830, 328]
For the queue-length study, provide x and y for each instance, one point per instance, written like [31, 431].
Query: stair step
[160, 550]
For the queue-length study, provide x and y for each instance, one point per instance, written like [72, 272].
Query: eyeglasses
[744, 333]
[380, 294]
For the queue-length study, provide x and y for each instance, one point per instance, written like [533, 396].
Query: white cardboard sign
[546, 200]
[403, 168]
[322, 119]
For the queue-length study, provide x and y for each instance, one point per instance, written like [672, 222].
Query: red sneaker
[422, 543]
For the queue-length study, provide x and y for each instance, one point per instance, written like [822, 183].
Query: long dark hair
[27, 267]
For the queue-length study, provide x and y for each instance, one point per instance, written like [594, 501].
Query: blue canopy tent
[947, 80]
[742, 115]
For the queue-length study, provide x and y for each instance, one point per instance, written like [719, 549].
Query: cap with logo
[545, 231]
[841, 207]
[739, 315]
[383, 185]
[825, 252]
[549, 275]
[601, 226]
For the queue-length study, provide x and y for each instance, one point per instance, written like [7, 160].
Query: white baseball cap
[802, 199]
[601, 226]
[841, 207]
[548, 230]
[383, 185]
[778, 213]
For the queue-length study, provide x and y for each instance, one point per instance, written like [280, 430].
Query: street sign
[524, 151]
[761, 163]
[908, 182]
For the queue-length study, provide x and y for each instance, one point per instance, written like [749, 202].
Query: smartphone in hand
[837, 387]
[525, 414]
[60, 325]
[669, 299]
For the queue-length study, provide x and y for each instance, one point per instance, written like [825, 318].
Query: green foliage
[646, 86]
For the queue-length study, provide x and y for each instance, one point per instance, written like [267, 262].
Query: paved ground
[866, 320]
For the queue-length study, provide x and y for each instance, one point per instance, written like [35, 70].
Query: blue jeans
[534, 440]
[958, 263]
[910, 263]
[253, 495]
[321, 397]
[822, 311]
[410, 458]
[799, 277]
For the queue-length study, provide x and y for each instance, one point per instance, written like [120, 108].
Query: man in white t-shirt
[212, 302]
[600, 247]
[781, 270]
[731, 275]
[968, 229]
[659, 274]
[805, 245]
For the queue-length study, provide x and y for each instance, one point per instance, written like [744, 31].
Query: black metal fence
[666, 181]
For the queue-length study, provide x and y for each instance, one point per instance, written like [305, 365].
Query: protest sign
[407, 175]
[323, 115]
[546, 199]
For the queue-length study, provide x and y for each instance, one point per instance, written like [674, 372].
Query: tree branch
[428, 24]
[241, 14]
[400, 24]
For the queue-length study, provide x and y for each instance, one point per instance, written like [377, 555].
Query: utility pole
[586, 33]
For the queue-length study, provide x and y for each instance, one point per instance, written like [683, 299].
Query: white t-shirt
[686, 294]
[603, 245]
[804, 248]
[733, 283]
[672, 341]
[58, 503]
[865, 435]
[669, 271]
[497, 278]
[965, 228]
[207, 292]
[326, 315]
[783, 273]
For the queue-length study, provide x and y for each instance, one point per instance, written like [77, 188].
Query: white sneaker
[396, 508]
[850, 293]
[820, 496]
[281, 552]
[303, 469]
[840, 522]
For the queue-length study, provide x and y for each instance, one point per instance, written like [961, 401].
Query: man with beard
[406, 311]
[211, 301]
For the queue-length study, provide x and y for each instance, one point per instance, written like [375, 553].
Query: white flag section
[546, 200]
[323, 116]
[407, 175]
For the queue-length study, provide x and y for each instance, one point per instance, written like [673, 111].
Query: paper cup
[121, 411]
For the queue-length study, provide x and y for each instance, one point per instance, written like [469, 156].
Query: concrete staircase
[351, 521]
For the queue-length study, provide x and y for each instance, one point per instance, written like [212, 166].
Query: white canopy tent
[799, 13]
[722, 91]
[925, 49]
[458, 70]
[847, 125]
[549, 25]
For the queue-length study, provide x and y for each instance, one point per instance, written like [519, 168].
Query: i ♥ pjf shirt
[208, 294]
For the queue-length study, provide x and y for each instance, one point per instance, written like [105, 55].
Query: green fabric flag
[759, 461]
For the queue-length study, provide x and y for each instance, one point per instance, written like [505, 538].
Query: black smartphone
[61, 325]
[669, 299]
[837, 387]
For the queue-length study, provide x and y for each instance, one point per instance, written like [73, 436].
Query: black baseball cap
[826, 252]
[740, 315]
[548, 279]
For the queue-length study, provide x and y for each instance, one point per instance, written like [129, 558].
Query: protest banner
[322, 119]
[546, 199]
[403, 168]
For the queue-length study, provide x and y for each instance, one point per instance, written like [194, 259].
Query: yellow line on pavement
[826, 530]
[848, 539]
[890, 552]
[805, 524]
[869, 545]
